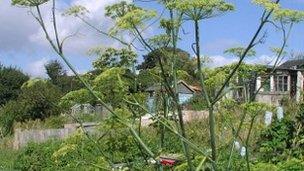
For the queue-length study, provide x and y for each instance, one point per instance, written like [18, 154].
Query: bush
[283, 139]
[275, 140]
[75, 153]
[36, 156]
[11, 80]
[38, 100]
[8, 115]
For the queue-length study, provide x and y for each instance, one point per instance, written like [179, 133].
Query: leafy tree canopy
[59, 77]
[54, 70]
[183, 61]
[11, 80]
[37, 100]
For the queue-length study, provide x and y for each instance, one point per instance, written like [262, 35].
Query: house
[185, 93]
[285, 82]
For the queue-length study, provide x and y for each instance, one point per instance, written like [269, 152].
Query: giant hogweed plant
[132, 19]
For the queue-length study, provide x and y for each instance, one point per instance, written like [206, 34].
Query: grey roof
[292, 64]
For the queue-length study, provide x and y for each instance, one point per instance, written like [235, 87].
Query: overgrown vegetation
[232, 136]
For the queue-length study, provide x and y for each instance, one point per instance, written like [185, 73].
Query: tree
[11, 80]
[184, 62]
[59, 77]
[38, 100]
[55, 71]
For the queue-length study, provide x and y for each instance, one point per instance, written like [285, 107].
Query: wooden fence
[23, 137]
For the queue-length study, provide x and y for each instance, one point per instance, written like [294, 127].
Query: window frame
[281, 83]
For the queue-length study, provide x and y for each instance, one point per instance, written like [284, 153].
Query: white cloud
[36, 68]
[21, 35]
[86, 37]
[19, 31]
[218, 60]
[263, 59]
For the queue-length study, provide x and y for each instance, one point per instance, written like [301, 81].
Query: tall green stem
[176, 98]
[247, 143]
[210, 106]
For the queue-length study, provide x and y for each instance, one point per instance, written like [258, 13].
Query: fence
[23, 137]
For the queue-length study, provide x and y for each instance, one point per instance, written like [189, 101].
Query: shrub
[8, 115]
[75, 153]
[38, 100]
[36, 156]
[11, 80]
[275, 140]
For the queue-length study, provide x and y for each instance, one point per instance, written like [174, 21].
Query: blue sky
[22, 43]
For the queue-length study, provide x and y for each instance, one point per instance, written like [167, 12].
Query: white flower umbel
[243, 151]
[268, 118]
[151, 161]
[280, 113]
[237, 145]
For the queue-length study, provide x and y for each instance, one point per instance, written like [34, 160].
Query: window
[281, 83]
[265, 83]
